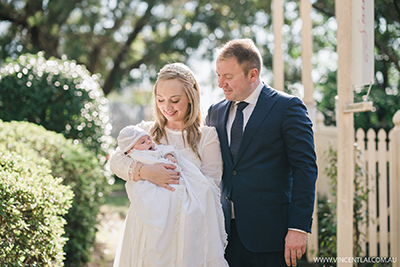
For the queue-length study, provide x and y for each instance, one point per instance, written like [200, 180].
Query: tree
[384, 92]
[114, 38]
[126, 40]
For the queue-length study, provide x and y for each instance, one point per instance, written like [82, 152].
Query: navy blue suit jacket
[272, 181]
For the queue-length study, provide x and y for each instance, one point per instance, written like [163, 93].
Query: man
[268, 182]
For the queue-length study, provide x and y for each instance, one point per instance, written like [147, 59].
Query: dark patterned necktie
[237, 129]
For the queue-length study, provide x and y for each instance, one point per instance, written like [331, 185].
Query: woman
[178, 123]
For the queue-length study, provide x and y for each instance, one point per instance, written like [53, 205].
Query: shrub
[58, 94]
[32, 205]
[79, 169]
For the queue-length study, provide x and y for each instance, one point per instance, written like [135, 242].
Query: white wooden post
[306, 51]
[345, 178]
[277, 60]
[306, 80]
[394, 137]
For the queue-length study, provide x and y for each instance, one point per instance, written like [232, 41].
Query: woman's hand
[160, 174]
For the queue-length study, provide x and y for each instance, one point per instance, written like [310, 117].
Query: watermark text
[355, 259]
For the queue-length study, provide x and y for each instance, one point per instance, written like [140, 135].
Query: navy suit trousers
[238, 256]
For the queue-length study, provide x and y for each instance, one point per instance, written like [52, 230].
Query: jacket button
[234, 172]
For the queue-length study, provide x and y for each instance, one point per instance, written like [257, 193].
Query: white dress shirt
[252, 100]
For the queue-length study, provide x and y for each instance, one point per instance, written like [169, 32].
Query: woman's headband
[182, 70]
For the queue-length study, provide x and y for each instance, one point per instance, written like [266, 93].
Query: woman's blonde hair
[192, 120]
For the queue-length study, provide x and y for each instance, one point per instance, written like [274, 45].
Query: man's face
[236, 86]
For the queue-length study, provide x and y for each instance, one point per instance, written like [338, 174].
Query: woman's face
[172, 102]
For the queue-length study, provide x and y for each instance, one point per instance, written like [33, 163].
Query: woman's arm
[211, 165]
[127, 169]
[122, 165]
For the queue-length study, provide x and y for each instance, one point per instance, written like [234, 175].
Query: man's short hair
[244, 51]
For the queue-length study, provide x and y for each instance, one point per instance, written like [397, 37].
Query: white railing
[380, 157]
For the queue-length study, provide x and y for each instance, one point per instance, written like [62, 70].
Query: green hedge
[79, 168]
[59, 94]
[31, 209]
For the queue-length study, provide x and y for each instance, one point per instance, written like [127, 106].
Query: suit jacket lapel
[264, 104]
[226, 154]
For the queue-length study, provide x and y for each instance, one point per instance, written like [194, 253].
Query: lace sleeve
[122, 165]
[211, 165]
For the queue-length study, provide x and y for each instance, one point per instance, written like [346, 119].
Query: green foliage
[32, 205]
[79, 168]
[128, 41]
[385, 106]
[385, 91]
[385, 103]
[327, 228]
[58, 94]
[327, 210]
[122, 37]
[328, 88]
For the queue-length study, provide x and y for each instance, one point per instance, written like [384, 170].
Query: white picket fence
[380, 157]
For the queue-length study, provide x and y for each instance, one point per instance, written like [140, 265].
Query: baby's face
[144, 143]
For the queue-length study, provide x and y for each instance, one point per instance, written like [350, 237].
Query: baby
[168, 221]
[134, 138]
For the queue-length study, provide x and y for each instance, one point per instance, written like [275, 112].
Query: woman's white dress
[183, 228]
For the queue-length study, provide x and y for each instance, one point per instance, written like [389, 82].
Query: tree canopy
[127, 40]
[115, 38]
[384, 92]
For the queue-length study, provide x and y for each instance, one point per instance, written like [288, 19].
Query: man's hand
[295, 247]
[160, 174]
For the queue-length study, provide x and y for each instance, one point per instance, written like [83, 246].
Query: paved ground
[110, 229]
